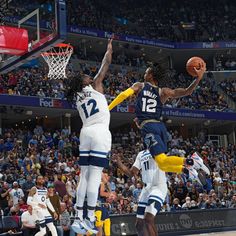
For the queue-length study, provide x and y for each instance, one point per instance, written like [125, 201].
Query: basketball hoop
[57, 59]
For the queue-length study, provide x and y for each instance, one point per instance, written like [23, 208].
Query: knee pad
[52, 229]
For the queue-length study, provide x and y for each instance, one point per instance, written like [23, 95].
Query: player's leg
[140, 222]
[99, 223]
[150, 224]
[155, 202]
[52, 228]
[99, 159]
[107, 227]
[41, 220]
[154, 136]
[141, 227]
[85, 144]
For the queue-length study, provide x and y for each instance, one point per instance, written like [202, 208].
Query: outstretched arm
[135, 88]
[98, 79]
[130, 172]
[181, 92]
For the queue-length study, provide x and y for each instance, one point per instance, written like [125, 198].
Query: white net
[57, 59]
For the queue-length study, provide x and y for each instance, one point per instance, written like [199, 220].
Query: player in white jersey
[153, 194]
[38, 199]
[95, 139]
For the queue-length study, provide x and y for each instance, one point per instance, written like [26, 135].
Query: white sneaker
[78, 228]
[89, 226]
[198, 163]
[193, 175]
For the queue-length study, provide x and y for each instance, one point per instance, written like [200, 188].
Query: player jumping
[149, 103]
[95, 139]
[38, 199]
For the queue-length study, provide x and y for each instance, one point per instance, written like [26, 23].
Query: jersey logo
[150, 140]
[90, 108]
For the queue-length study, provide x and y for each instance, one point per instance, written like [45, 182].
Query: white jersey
[93, 107]
[40, 196]
[151, 174]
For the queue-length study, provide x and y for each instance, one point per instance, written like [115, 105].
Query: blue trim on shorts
[143, 203]
[84, 160]
[99, 161]
[94, 161]
[84, 152]
[140, 211]
[156, 198]
[100, 153]
[48, 220]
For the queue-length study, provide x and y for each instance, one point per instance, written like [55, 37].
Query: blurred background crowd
[24, 154]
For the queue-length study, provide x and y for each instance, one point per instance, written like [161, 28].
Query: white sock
[81, 190]
[95, 175]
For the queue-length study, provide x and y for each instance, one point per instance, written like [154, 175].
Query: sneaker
[89, 226]
[193, 175]
[199, 164]
[78, 228]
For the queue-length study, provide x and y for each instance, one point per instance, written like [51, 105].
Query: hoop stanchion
[57, 59]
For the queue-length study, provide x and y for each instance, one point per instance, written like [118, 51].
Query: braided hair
[74, 86]
[159, 73]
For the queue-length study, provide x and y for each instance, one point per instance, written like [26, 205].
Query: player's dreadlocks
[74, 86]
[159, 72]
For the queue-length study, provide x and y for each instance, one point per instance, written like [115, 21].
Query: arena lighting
[29, 113]
[68, 115]
[122, 224]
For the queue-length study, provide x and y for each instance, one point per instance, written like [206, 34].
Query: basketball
[196, 62]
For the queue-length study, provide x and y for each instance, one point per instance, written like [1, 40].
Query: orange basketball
[196, 62]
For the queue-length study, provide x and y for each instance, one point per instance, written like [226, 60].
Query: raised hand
[109, 45]
[200, 72]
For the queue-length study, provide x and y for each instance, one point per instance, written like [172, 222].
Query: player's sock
[164, 161]
[95, 175]
[81, 190]
[91, 214]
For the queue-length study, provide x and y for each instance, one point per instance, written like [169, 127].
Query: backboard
[45, 22]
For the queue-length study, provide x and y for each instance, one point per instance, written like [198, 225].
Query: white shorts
[95, 146]
[43, 216]
[151, 200]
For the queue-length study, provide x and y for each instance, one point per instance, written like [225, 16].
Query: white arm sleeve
[31, 202]
[49, 205]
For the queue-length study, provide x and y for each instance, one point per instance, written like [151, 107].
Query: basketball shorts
[154, 136]
[43, 216]
[151, 200]
[95, 146]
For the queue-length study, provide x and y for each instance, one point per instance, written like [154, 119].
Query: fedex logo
[49, 102]
[125, 109]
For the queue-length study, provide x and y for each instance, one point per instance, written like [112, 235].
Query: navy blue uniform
[148, 110]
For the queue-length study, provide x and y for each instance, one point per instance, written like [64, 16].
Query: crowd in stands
[229, 86]
[25, 154]
[34, 82]
[167, 20]
[224, 62]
